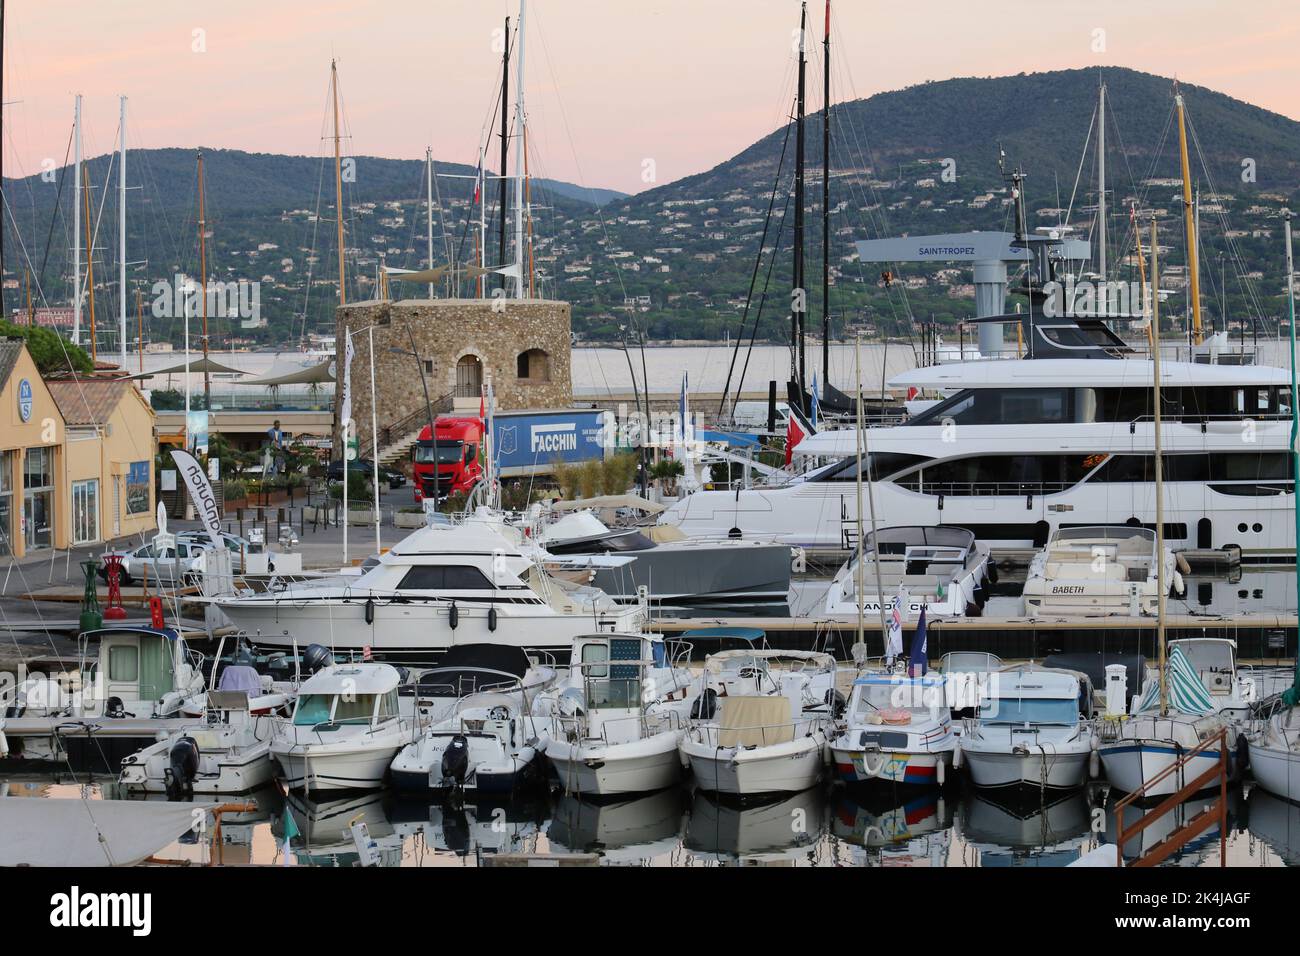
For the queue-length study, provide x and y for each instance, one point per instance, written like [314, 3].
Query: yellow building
[76, 458]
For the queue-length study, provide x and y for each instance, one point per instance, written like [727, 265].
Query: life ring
[895, 717]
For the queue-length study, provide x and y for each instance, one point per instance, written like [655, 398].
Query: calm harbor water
[827, 826]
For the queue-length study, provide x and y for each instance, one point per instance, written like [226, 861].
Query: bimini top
[1122, 373]
[471, 668]
[362, 678]
[897, 540]
[1035, 683]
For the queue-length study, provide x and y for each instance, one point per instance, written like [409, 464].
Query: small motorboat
[1031, 730]
[897, 730]
[345, 729]
[1097, 571]
[760, 727]
[942, 569]
[229, 753]
[491, 744]
[616, 720]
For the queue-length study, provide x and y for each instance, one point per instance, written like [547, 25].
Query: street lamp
[433, 432]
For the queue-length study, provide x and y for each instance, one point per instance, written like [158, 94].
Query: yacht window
[123, 663]
[1030, 710]
[877, 465]
[1002, 474]
[312, 709]
[1221, 466]
[355, 708]
[388, 705]
[623, 694]
[444, 577]
[595, 654]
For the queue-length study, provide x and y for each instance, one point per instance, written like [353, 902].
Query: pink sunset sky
[610, 83]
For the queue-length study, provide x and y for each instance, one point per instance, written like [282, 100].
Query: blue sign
[25, 400]
[541, 439]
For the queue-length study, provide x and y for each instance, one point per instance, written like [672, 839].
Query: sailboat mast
[826, 200]
[1159, 469]
[1101, 185]
[121, 232]
[519, 160]
[428, 205]
[505, 146]
[1295, 411]
[203, 290]
[338, 181]
[1189, 223]
[139, 324]
[799, 295]
[90, 273]
[76, 221]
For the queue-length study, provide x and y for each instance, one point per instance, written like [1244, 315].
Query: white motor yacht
[762, 720]
[617, 718]
[1098, 571]
[345, 730]
[1030, 730]
[472, 581]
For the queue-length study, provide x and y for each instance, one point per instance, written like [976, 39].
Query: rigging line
[740, 385]
[1083, 158]
[753, 277]
[54, 215]
[22, 245]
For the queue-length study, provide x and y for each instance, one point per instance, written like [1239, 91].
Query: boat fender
[1243, 755]
[1094, 763]
[492, 619]
[991, 571]
[1177, 588]
[956, 756]
[370, 610]
[939, 772]
[183, 767]
[453, 616]
[1181, 560]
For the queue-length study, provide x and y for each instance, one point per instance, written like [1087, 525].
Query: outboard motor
[705, 706]
[455, 761]
[183, 760]
[316, 657]
[836, 702]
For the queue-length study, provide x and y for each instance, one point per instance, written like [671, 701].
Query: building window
[85, 511]
[533, 365]
[428, 366]
[469, 377]
[38, 498]
[6, 502]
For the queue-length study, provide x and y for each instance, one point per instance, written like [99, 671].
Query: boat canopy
[1187, 695]
[898, 539]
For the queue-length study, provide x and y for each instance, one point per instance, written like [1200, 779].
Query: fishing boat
[490, 744]
[1030, 731]
[345, 729]
[942, 569]
[1097, 571]
[760, 729]
[897, 729]
[618, 717]
[229, 753]
[131, 683]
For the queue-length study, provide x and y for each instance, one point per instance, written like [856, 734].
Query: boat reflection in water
[621, 831]
[1010, 829]
[1203, 850]
[775, 832]
[468, 830]
[897, 826]
[325, 835]
[1275, 822]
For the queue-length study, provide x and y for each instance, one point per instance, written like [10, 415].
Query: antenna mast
[338, 180]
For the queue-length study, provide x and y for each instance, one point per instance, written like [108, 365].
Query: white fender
[940, 771]
[956, 756]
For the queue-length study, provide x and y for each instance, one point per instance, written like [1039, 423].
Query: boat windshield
[1030, 710]
[312, 709]
[614, 694]
[898, 695]
[1207, 656]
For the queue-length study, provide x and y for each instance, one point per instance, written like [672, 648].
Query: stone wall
[448, 332]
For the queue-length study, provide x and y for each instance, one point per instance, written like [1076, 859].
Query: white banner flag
[897, 613]
[200, 489]
[345, 407]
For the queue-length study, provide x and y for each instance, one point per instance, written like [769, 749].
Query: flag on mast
[894, 646]
[917, 662]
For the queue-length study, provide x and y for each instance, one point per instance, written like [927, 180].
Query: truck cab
[448, 461]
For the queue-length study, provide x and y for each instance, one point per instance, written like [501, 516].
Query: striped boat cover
[1187, 695]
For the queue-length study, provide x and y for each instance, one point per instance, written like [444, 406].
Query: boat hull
[597, 769]
[315, 767]
[763, 771]
[856, 765]
[1276, 770]
[1132, 764]
[1049, 769]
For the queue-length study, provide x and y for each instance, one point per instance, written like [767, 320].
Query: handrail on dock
[1193, 828]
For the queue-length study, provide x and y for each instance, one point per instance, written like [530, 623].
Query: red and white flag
[794, 434]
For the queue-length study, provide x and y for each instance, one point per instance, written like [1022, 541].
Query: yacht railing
[578, 727]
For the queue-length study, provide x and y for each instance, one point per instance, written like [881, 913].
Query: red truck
[456, 453]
